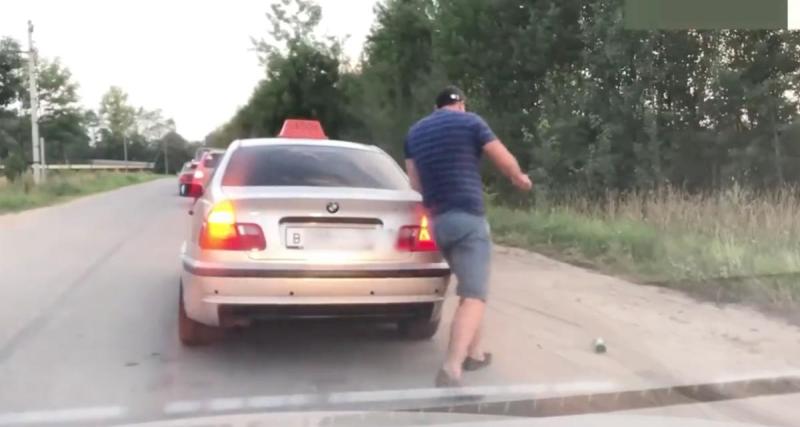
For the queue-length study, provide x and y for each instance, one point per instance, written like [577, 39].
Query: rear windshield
[312, 166]
[199, 154]
[212, 160]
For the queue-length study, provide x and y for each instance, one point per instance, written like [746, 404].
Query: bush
[14, 165]
[60, 186]
[733, 244]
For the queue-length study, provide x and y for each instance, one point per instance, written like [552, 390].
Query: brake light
[221, 221]
[417, 238]
[220, 231]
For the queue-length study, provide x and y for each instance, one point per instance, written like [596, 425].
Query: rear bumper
[317, 273]
[220, 296]
[233, 314]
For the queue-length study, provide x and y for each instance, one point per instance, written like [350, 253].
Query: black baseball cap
[449, 96]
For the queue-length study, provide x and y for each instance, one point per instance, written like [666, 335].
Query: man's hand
[522, 182]
[507, 164]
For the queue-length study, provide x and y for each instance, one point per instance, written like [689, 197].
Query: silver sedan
[309, 228]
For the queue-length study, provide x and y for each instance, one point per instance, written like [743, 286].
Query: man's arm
[413, 176]
[507, 164]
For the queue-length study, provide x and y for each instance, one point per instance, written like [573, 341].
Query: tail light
[220, 231]
[417, 238]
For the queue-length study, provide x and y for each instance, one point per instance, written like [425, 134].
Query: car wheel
[192, 333]
[182, 190]
[419, 329]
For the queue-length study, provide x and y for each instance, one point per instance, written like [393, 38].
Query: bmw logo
[332, 207]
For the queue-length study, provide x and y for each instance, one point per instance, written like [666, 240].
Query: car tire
[418, 329]
[182, 190]
[192, 333]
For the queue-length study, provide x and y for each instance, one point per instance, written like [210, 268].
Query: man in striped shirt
[443, 153]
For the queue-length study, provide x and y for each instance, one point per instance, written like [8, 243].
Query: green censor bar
[711, 14]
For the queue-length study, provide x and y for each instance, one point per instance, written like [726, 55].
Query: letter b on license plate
[295, 238]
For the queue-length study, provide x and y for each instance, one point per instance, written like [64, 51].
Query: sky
[191, 59]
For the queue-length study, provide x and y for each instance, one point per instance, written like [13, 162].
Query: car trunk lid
[324, 225]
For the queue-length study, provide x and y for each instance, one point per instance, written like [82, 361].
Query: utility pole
[166, 159]
[125, 151]
[34, 105]
[43, 158]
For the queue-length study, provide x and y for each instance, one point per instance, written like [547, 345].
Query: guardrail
[133, 167]
[96, 167]
[105, 162]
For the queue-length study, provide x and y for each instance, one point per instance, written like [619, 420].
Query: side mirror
[195, 190]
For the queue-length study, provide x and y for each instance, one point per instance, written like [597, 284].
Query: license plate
[330, 238]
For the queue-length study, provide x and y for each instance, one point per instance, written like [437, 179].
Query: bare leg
[475, 350]
[466, 323]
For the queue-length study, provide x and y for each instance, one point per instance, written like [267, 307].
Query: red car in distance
[185, 177]
[205, 168]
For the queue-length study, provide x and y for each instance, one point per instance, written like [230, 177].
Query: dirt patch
[722, 292]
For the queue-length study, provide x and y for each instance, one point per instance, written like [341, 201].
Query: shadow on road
[302, 332]
[301, 356]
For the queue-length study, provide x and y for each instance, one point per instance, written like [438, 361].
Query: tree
[57, 92]
[293, 23]
[396, 77]
[587, 105]
[11, 65]
[14, 165]
[71, 133]
[116, 115]
[302, 77]
[179, 151]
[152, 124]
[61, 117]
[11, 86]
[59, 111]
[398, 51]
[117, 119]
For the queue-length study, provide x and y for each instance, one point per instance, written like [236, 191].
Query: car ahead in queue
[295, 227]
[205, 168]
[185, 177]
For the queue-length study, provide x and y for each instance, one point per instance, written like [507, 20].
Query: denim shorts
[465, 242]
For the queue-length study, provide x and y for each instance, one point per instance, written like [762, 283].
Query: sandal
[444, 380]
[471, 364]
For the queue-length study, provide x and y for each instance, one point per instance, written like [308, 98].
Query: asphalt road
[88, 334]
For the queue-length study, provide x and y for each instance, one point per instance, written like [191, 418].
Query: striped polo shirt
[446, 148]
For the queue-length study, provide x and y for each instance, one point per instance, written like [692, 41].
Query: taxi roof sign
[300, 128]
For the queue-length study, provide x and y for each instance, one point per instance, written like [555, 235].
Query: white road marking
[760, 375]
[227, 404]
[294, 400]
[341, 398]
[182, 407]
[263, 402]
[100, 413]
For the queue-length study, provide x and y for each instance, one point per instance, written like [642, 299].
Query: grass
[734, 245]
[22, 194]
